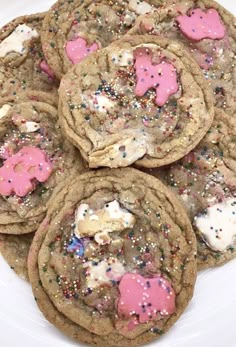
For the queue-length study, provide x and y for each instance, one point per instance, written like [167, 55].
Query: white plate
[208, 321]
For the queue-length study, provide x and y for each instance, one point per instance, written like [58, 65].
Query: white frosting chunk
[3, 110]
[29, 127]
[129, 18]
[219, 225]
[15, 41]
[102, 222]
[25, 126]
[100, 103]
[81, 212]
[116, 212]
[123, 153]
[140, 7]
[123, 57]
[103, 272]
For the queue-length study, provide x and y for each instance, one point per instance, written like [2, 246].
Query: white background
[209, 320]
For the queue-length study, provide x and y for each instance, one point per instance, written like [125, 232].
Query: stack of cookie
[118, 165]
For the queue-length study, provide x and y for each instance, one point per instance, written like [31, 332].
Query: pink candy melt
[202, 25]
[132, 324]
[18, 171]
[77, 50]
[46, 69]
[162, 77]
[145, 297]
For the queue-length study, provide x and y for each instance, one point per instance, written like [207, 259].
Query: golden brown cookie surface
[205, 182]
[208, 33]
[34, 158]
[84, 278]
[74, 29]
[22, 63]
[142, 100]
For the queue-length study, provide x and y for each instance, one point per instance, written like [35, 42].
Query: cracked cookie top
[34, 158]
[126, 280]
[208, 33]
[143, 100]
[22, 63]
[205, 181]
[72, 30]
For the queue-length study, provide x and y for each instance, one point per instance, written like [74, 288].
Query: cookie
[115, 259]
[15, 248]
[74, 29]
[142, 100]
[205, 181]
[22, 63]
[208, 32]
[34, 158]
[25, 96]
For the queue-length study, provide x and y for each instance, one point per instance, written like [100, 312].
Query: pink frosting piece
[162, 77]
[202, 25]
[145, 297]
[46, 69]
[19, 170]
[77, 50]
